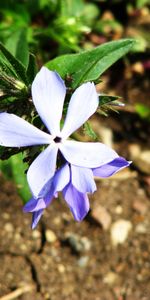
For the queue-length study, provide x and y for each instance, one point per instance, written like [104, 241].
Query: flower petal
[82, 179]
[89, 155]
[78, 202]
[42, 170]
[83, 104]
[111, 168]
[36, 216]
[16, 132]
[48, 92]
[61, 178]
[35, 204]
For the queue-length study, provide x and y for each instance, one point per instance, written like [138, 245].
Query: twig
[15, 294]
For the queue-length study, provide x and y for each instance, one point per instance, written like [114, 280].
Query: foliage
[143, 111]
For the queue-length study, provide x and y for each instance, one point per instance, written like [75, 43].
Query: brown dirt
[59, 270]
[81, 263]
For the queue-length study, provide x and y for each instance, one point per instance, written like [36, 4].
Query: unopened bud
[19, 85]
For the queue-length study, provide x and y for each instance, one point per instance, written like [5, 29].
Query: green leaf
[89, 65]
[15, 64]
[14, 169]
[71, 7]
[143, 111]
[89, 131]
[32, 68]
[19, 47]
[105, 99]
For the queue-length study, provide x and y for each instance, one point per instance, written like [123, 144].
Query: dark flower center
[57, 139]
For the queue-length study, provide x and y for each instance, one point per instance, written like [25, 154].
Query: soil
[63, 259]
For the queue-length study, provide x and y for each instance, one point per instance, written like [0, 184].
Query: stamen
[57, 139]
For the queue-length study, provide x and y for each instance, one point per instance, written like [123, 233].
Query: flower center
[57, 139]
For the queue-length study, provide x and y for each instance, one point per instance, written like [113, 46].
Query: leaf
[71, 7]
[89, 65]
[143, 111]
[15, 64]
[32, 68]
[14, 169]
[19, 47]
[105, 99]
[89, 131]
[19, 177]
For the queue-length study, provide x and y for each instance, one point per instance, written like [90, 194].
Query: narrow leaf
[16, 65]
[19, 47]
[89, 65]
[32, 68]
[105, 99]
[89, 131]
[14, 169]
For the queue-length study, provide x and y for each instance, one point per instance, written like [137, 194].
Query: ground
[65, 260]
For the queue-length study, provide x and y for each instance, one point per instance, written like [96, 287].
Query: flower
[74, 182]
[83, 159]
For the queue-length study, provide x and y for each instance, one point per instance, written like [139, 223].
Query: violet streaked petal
[48, 92]
[16, 132]
[82, 179]
[89, 155]
[111, 168]
[34, 205]
[36, 216]
[78, 202]
[83, 104]
[61, 178]
[42, 170]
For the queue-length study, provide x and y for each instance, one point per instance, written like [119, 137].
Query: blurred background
[106, 257]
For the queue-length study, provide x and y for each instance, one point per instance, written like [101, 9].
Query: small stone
[6, 216]
[23, 247]
[141, 228]
[118, 210]
[50, 236]
[77, 243]
[36, 234]
[86, 243]
[17, 236]
[102, 216]
[141, 158]
[57, 220]
[140, 206]
[110, 278]
[61, 268]
[83, 261]
[119, 231]
[8, 227]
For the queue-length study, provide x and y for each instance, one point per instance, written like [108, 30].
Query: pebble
[17, 236]
[61, 268]
[119, 231]
[23, 247]
[110, 278]
[6, 216]
[141, 158]
[102, 216]
[36, 234]
[141, 228]
[118, 209]
[83, 261]
[140, 206]
[8, 227]
[50, 236]
[77, 243]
